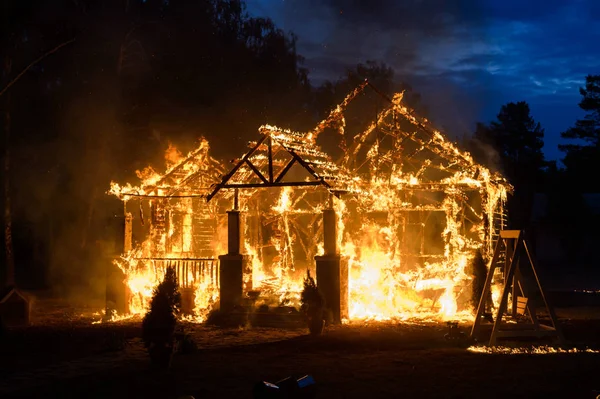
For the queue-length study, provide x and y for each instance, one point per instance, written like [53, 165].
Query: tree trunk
[8, 244]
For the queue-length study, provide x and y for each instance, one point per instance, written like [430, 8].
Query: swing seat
[521, 305]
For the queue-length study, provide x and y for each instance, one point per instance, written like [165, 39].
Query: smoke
[435, 46]
[403, 34]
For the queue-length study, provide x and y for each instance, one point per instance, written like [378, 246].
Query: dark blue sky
[466, 57]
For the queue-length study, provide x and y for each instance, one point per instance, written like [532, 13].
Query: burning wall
[411, 211]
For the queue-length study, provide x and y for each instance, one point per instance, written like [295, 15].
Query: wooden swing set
[522, 320]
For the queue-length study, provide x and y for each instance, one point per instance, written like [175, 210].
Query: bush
[311, 299]
[312, 305]
[158, 326]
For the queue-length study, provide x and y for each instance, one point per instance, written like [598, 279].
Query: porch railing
[190, 271]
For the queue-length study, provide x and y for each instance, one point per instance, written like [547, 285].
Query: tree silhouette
[517, 141]
[581, 159]
[139, 74]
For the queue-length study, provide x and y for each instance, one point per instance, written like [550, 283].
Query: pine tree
[582, 159]
[518, 141]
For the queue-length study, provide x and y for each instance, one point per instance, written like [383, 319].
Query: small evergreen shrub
[158, 326]
[311, 299]
[312, 305]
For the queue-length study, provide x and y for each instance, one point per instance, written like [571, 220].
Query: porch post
[332, 274]
[231, 276]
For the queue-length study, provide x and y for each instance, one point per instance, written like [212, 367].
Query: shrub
[158, 326]
[311, 299]
[312, 305]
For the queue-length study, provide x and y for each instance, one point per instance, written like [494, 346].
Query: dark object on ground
[454, 334]
[158, 327]
[280, 317]
[114, 342]
[185, 344]
[161, 355]
[316, 325]
[479, 276]
[290, 387]
[313, 305]
[15, 307]
[264, 308]
[237, 317]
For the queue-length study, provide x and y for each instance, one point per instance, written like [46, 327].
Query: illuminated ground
[66, 358]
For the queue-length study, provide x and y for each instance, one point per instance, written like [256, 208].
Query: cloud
[485, 52]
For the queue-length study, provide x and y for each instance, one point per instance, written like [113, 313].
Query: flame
[398, 266]
[535, 350]
[172, 156]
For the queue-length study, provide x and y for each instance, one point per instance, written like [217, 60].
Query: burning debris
[535, 350]
[406, 209]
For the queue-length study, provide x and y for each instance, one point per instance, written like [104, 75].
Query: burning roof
[193, 173]
[415, 146]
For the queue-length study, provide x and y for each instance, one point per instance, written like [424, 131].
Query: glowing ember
[114, 317]
[536, 350]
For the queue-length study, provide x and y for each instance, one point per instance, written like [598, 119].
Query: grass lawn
[68, 358]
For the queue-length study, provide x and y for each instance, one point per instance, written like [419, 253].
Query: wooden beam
[182, 259]
[550, 309]
[486, 291]
[504, 299]
[285, 184]
[285, 170]
[510, 233]
[548, 328]
[530, 308]
[256, 171]
[235, 169]
[179, 166]
[376, 90]
[308, 168]
[270, 155]
[509, 255]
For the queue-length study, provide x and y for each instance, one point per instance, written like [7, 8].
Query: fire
[535, 350]
[407, 230]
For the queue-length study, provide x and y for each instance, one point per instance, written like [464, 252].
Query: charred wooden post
[233, 232]
[117, 293]
[127, 244]
[329, 232]
[188, 297]
[332, 278]
[231, 277]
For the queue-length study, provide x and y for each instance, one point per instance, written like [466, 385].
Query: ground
[63, 355]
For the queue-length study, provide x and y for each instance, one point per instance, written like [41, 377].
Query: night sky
[466, 57]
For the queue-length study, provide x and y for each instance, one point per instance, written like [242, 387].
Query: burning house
[390, 224]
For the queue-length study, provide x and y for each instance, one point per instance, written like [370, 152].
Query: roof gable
[398, 148]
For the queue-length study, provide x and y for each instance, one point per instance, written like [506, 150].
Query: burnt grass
[65, 356]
